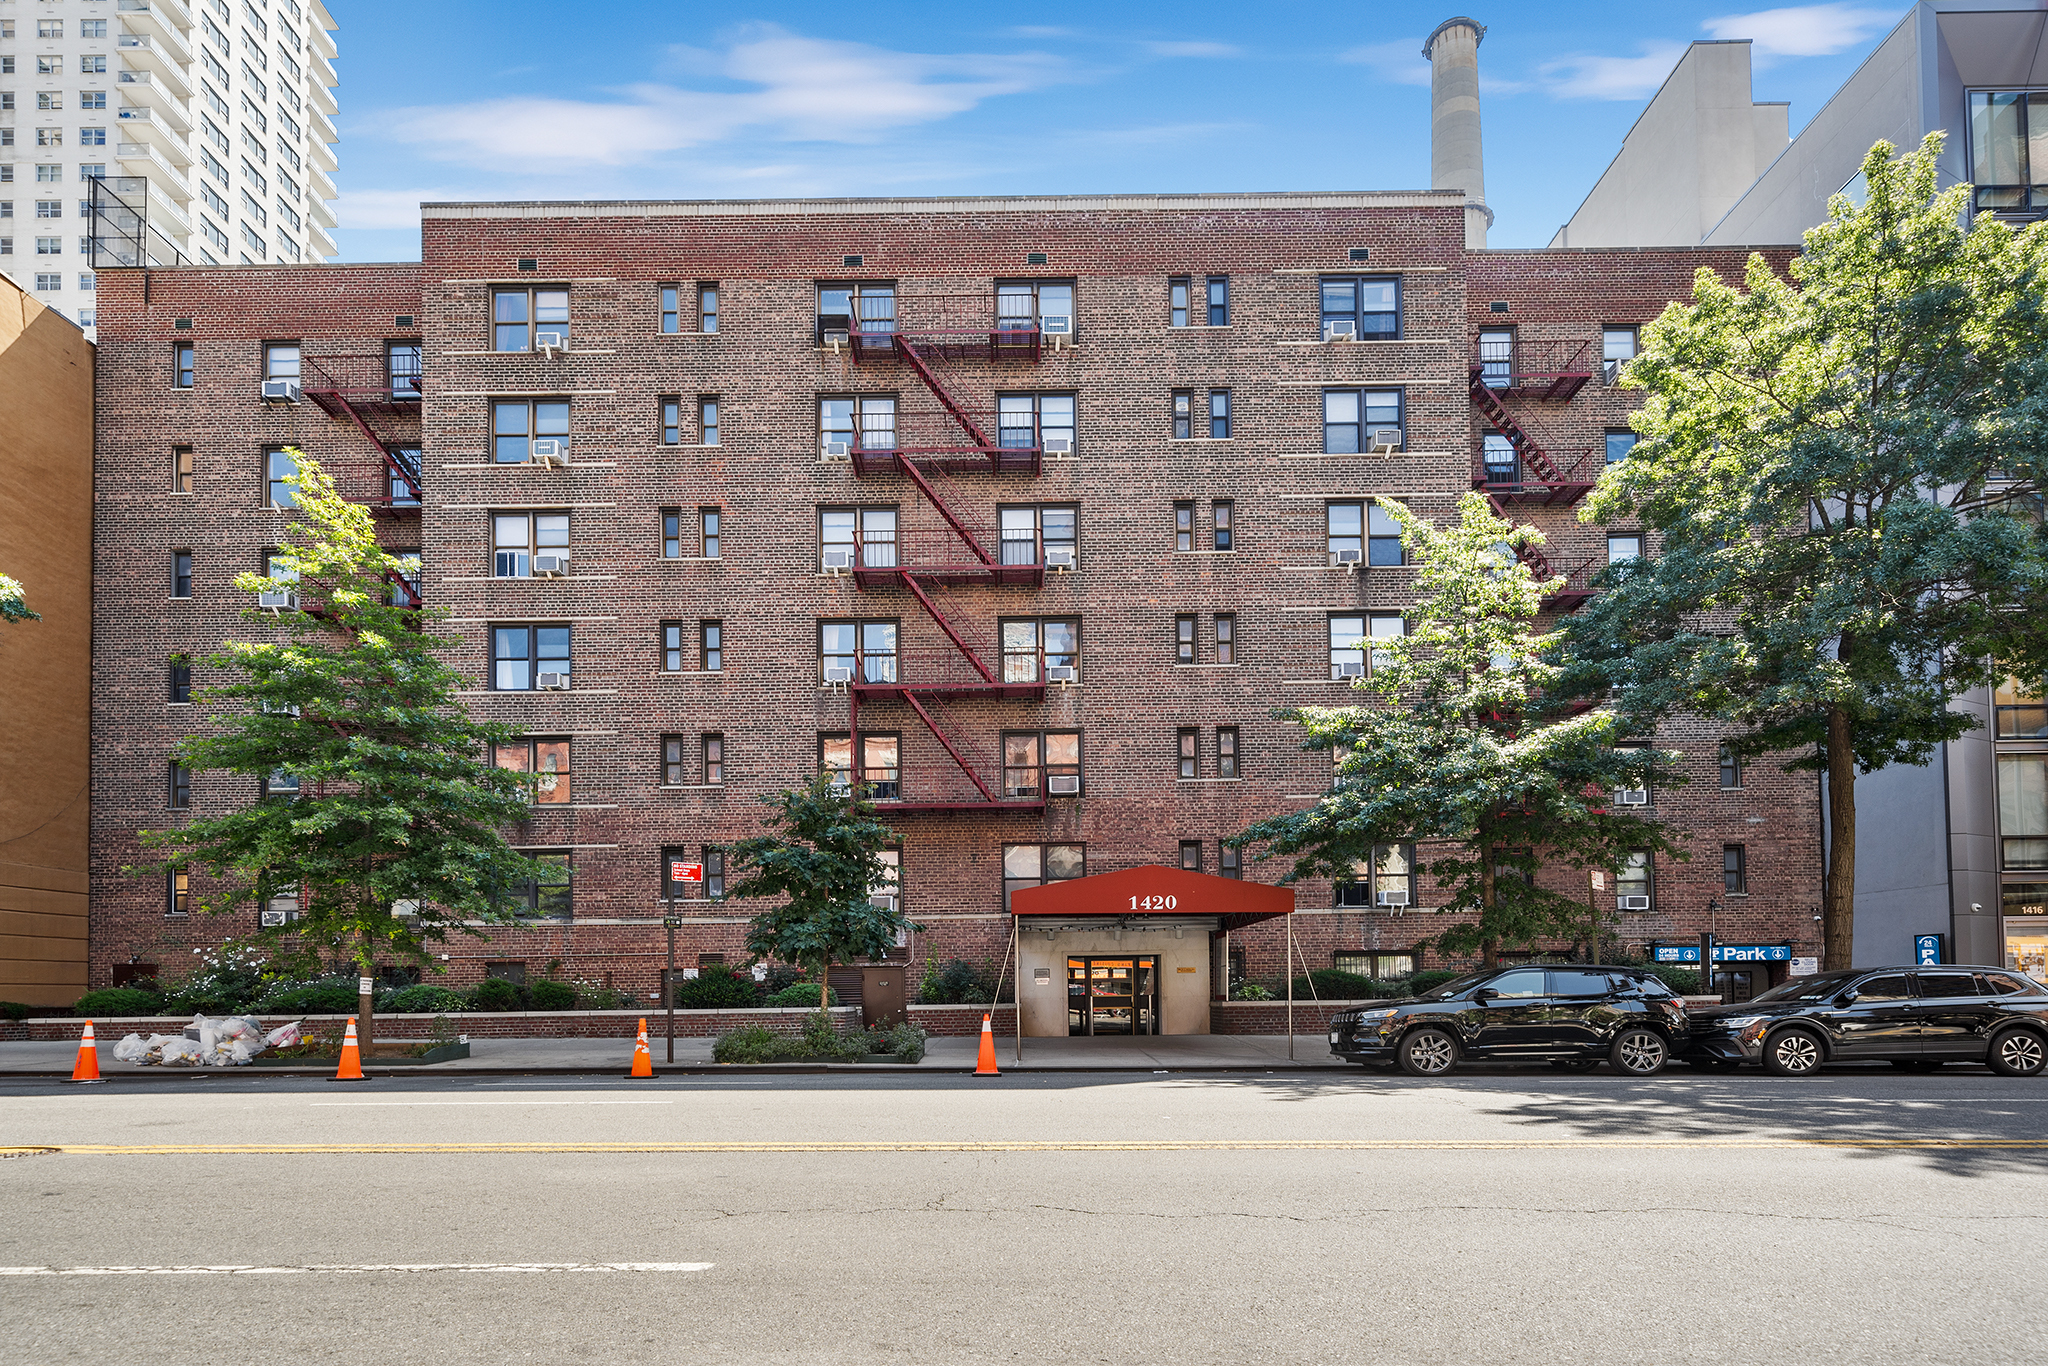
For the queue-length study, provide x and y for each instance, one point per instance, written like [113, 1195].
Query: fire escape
[379, 394]
[924, 334]
[1524, 473]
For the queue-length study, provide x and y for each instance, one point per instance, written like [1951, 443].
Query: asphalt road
[1496, 1217]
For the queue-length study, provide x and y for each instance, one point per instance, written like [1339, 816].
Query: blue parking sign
[1927, 948]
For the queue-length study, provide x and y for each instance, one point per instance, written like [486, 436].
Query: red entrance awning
[1155, 891]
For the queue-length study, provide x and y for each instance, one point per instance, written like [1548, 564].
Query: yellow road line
[1036, 1146]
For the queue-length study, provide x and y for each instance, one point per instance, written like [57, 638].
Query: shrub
[802, 994]
[114, 1001]
[958, 982]
[1684, 981]
[1250, 991]
[326, 996]
[1334, 984]
[548, 994]
[718, 987]
[749, 1043]
[495, 993]
[781, 975]
[1430, 980]
[17, 1012]
[425, 999]
[598, 996]
[905, 1040]
[226, 982]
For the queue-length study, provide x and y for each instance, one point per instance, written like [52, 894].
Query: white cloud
[1400, 61]
[1194, 50]
[387, 208]
[1804, 30]
[1588, 77]
[805, 90]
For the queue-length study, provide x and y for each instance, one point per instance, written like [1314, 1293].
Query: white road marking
[355, 1270]
[385, 1104]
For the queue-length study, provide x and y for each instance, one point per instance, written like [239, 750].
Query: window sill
[1735, 896]
[188, 493]
[1205, 552]
[1346, 681]
[177, 704]
[691, 332]
[692, 787]
[1364, 341]
[1208, 666]
[1192, 440]
[687, 673]
[535, 692]
[1208, 780]
[691, 446]
[1200, 327]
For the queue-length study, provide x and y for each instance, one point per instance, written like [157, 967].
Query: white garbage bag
[131, 1049]
[284, 1036]
[178, 1052]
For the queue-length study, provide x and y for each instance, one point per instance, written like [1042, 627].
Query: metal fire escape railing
[1548, 371]
[363, 388]
[936, 330]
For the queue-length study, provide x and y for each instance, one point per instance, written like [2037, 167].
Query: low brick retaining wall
[954, 1021]
[510, 1024]
[1270, 1017]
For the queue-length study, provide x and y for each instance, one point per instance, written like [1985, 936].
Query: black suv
[1568, 1015]
[1917, 1017]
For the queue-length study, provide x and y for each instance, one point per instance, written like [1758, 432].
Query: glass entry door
[1113, 995]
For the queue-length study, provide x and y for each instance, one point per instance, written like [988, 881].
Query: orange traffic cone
[88, 1066]
[985, 1065]
[643, 1061]
[351, 1068]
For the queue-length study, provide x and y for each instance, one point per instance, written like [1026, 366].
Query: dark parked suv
[1917, 1017]
[1568, 1015]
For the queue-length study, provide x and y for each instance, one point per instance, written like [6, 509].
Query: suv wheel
[1639, 1052]
[1792, 1053]
[2017, 1053]
[1428, 1053]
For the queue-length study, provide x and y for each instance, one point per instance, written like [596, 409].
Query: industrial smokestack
[1455, 161]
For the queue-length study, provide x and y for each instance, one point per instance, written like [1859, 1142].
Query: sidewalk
[600, 1057]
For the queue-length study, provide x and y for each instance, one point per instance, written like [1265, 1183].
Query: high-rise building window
[1223, 514]
[1731, 767]
[1735, 869]
[181, 365]
[1177, 301]
[711, 642]
[181, 573]
[1226, 752]
[1226, 638]
[671, 421]
[707, 306]
[671, 314]
[178, 684]
[671, 533]
[523, 319]
[710, 519]
[1191, 856]
[179, 795]
[707, 420]
[1219, 413]
[181, 469]
[1187, 751]
[1184, 639]
[1219, 300]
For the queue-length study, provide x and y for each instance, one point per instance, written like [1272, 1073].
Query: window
[708, 520]
[1381, 967]
[1042, 763]
[707, 309]
[402, 368]
[94, 137]
[1349, 655]
[520, 655]
[49, 208]
[671, 533]
[851, 536]
[1021, 306]
[1383, 537]
[1502, 462]
[881, 771]
[869, 303]
[1183, 526]
[1496, 358]
[49, 99]
[1229, 863]
[2023, 809]
[181, 573]
[1219, 300]
[1386, 880]
[278, 468]
[181, 469]
[1034, 649]
[1041, 421]
[714, 874]
[874, 418]
[49, 28]
[1187, 751]
[519, 316]
[404, 472]
[181, 365]
[2005, 144]
[51, 280]
[887, 893]
[517, 423]
[671, 313]
[178, 892]
[1633, 796]
[707, 420]
[2021, 713]
[1226, 753]
[671, 421]
[1355, 419]
[281, 360]
[1632, 881]
[49, 175]
[1219, 414]
[406, 591]
[546, 897]
[250, 207]
[517, 538]
[712, 750]
[1619, 444]
[1177, 301]
[1735, 870]
[1621, 548]
[1223, 516]
[672, 647]
[1191, 856]
[50, 246]
[179, 683]
[1731, 767]
[1345, 525]
[1184, 640]
[858, 649]
[1034, 865]
[1226, 638]
[1366, 308]
[1617, 348]
[1037, 535]
[178, 795]
[92, 28]
[281, 783]
[672, 773]
[547, 760]
[1183, 414]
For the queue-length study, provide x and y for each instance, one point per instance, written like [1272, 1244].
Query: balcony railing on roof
[945, 326]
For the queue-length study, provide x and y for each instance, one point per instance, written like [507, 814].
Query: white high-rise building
[209, 131]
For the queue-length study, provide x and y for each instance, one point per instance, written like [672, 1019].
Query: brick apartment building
[1050, 502]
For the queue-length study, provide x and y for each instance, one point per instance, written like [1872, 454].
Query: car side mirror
[1485, 994]
[1847, 998]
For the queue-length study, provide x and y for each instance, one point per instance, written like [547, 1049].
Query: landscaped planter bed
[515, 1024]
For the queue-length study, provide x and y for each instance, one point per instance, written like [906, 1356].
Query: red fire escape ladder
[908, 350]
[909, 467]
[939, 734]
[1538, 562]
[910, 582]
[1503, 422]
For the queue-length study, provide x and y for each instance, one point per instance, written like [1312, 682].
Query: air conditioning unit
[1392, 898]
[547, 450]
[833, 329]
[1345, 556]
[550, 341]
[550, 566]
[837, 676]
[280, 391]
[1340, 331]
[838, 450]
[1058, 445]
[1064, 785]
[1061, 558]
[1350, 669]
[1056, 325]
[883, 903]
[405, 908]
[551, 682]
[276, 919]
[285, 601]
[836, 560]
[1386, 440]
[1059, 673]
[1632, 796]
[1632, 903]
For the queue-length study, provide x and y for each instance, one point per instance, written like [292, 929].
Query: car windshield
[1806, 988]
[1459, 986]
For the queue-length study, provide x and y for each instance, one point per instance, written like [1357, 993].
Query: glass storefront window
[2021, 713]
[2026, 928]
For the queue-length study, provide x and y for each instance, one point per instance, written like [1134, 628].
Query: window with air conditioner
[855, 537]
[1041, 764]
[1351, 655]
[1038, 535]
[546, 760]
[855, 307]
[528, 430]
[1036, 649]
[1357, 420]
[1362, 307]
[1041, 421]
[849, 424]
[529, 545]
[1617, 349]
[863, 651]
[1386, 881]
[1024, 305]
[526, 319]
[1632, 889]
[529, 658]
[887, 893]
[1632, 796]
[283, 593]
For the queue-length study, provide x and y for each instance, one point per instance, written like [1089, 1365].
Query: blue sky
[527, 99]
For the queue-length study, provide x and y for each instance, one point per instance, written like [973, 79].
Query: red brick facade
[767, 480]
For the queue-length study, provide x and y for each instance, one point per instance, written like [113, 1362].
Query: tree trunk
[1489, 947]
[1838, 914]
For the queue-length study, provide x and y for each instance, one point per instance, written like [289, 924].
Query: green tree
[397, 802]
[1844, 474]
[823, 858]
[14, 602]
[1457, 752]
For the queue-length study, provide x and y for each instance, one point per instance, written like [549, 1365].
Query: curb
[161, 1075]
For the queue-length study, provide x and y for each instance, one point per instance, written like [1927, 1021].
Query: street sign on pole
[668, 982]
[679, 871]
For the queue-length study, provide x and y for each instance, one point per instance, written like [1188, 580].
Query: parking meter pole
[668, 982]
[1707, 963]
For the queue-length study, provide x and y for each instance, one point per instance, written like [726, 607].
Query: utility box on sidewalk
[883, 999]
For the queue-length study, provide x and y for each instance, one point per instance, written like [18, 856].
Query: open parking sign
[679, 871]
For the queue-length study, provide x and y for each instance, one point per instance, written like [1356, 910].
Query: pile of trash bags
[229, 1041]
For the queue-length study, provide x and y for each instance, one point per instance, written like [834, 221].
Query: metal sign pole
[1018, 990]
[668, 983]
[1288, 972]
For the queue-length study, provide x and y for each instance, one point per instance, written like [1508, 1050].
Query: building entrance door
[1113, 995]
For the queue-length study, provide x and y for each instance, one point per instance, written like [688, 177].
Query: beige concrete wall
[46, 367]
[1183, 975]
